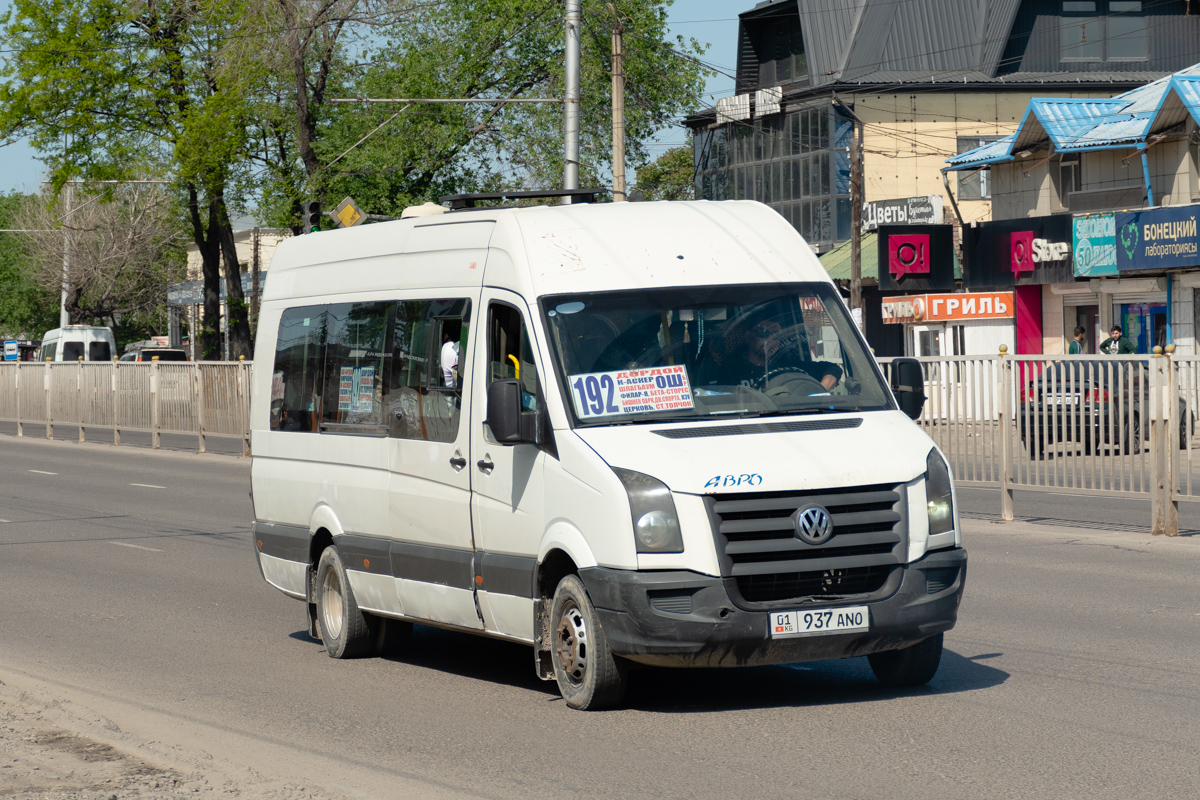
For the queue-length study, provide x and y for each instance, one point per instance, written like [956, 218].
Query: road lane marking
[147, 485]
[43, 472]
[3, 520]
[137, 546]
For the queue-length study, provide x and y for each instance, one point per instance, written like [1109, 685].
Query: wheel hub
[570, 644]
[331, 604]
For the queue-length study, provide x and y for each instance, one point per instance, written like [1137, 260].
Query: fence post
[244, 403]
[116, 404]
[20, 425]
[79, 397]
[155, 436]
[47, 385]
[1164, 517]
[1006, 421]
[199, 384]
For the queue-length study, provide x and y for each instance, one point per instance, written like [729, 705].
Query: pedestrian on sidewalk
[1117, 344]
[1077, 343]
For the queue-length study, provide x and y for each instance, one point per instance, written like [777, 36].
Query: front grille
[759, 550]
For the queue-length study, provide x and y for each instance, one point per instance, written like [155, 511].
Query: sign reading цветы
[922, 210]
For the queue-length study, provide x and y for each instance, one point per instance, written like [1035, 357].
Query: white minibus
[73, 342]
[621, 433]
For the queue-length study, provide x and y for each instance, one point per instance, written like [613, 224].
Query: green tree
[465, 49]
[671, 176]
[27, 310]
[106, 90]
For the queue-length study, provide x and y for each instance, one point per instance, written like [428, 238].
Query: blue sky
[712, 22]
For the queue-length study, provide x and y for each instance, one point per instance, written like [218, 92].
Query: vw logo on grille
[813, 524]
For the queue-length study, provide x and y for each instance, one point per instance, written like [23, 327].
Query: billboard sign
[1157, 238]
[1094, 242]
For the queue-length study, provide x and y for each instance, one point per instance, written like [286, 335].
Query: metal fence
[1091, 425]
[209, 398]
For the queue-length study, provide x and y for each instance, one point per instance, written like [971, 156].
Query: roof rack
[461, 201]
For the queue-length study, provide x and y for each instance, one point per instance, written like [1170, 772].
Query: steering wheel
[785, 381]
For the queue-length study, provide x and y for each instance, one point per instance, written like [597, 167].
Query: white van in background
[79, 341]
[665, 443]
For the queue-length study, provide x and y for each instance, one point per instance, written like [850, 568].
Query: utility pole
[254, 277]
[64, 319]
[574, 20]
[618, 109]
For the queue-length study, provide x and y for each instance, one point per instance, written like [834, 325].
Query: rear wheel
[912, 666]
[589, 676]
[346, 631]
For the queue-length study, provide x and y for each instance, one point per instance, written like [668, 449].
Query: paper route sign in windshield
[631, 391]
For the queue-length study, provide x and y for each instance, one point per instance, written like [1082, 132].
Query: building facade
[1103, 196]
[929, 79]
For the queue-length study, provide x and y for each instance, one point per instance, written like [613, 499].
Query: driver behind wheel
[756, 353]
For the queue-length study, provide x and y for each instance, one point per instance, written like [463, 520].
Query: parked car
[161, 353]
[1074, 403]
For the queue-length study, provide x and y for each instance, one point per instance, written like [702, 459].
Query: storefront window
[1145, 324]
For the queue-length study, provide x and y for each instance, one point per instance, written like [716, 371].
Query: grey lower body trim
[504, 574]
[289, 542]
[432, 564]
[445, 566]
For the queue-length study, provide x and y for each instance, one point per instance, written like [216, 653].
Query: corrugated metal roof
[1000, 150]
[1076, 125]
[849, 40]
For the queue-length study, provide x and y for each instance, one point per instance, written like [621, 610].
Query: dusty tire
[912, 666]
[345, 631]
[589, 676]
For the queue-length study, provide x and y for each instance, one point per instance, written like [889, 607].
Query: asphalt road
[127, 582]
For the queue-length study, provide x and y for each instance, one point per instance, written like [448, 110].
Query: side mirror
[908, 384]
[509, 423]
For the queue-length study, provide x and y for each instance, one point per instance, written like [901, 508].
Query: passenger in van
[449, 358]
[759, 352]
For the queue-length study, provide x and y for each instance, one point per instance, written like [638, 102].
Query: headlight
[937, 491]
[655, 524]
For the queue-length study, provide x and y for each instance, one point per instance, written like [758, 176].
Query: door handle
[458, 462]
[485, 465]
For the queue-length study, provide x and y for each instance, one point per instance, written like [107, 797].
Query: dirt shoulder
[53, 749]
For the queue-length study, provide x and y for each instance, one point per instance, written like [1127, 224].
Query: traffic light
[310, 216]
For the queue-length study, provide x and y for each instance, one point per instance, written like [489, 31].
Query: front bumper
[706, 629]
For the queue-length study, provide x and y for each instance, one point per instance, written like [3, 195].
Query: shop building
[1095, 204]
[928, 78]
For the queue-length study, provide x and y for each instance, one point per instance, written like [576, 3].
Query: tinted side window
[296, 379]
[72, 351]
[356, 339]
[48, 351]
[428, 367]
[99, 351]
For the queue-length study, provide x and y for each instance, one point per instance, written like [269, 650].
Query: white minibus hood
[869, 448]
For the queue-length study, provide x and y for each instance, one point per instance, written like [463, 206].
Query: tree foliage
[26, 308]
[125, 247]
[669, 177]
[231, 100]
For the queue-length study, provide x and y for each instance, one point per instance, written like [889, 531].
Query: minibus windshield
[708, 352]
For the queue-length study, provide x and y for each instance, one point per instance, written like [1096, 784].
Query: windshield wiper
[796, 412]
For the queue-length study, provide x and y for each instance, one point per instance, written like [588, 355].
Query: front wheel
[1131, 440]
[589, 676]
[912, 666]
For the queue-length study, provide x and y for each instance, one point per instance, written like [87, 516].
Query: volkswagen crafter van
[75, 342]
[621, 433]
